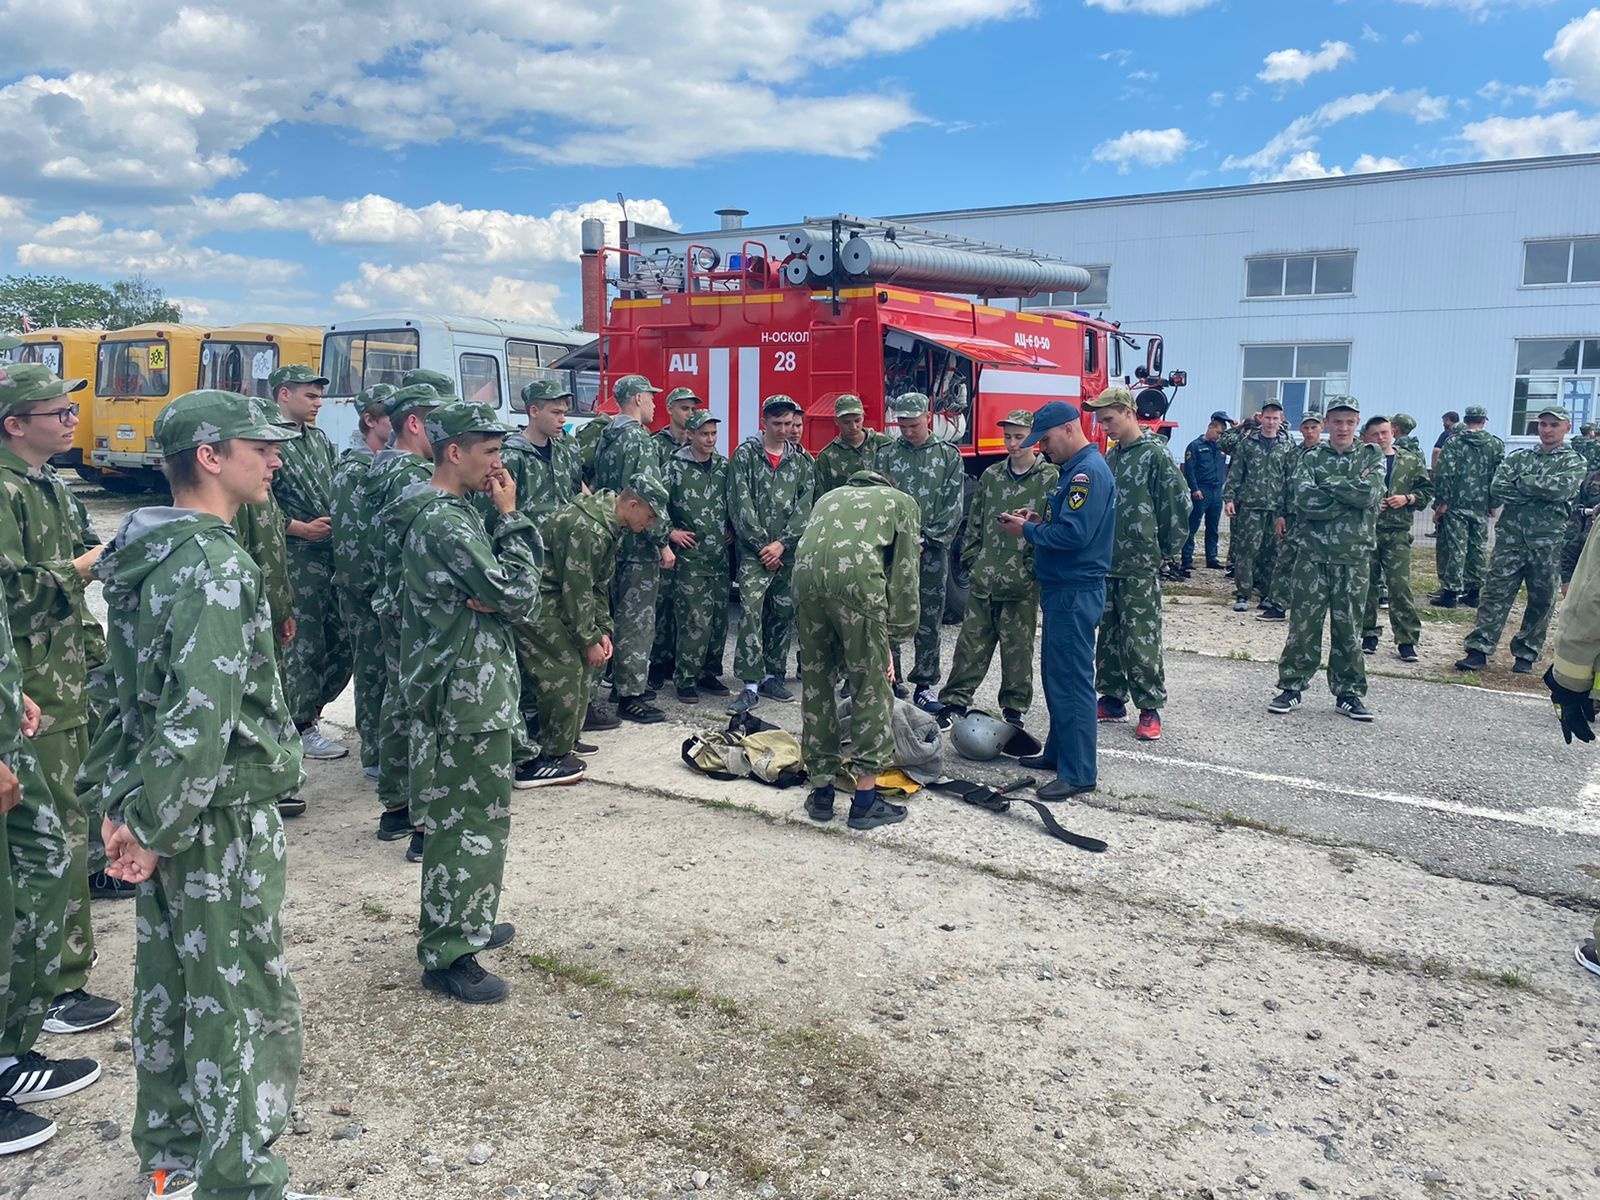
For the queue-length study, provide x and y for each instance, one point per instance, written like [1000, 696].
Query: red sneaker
[1149, 728]
[1107, 709]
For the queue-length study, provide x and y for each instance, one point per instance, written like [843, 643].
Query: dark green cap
[541, 390]
[463, 416]
[207, 417]
[1404, 422]
[846, 404]
[1112, 397]
[374, 395]
[910, 404]
[651, 490]
[437, 380]
[7, 342]
[779, 404]
[293, 374]
[1556, 411]
[1022, 418]
[1477, 412]
[26, 383]
[630, 386]
[1336, 403]
[701, 417]
[416, 397]
[681, 393]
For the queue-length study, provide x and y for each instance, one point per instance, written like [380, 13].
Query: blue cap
[1221, 415]
[1057, 412]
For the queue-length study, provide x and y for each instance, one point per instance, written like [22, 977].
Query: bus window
[133, 369]
[522, 364]
[355, 361]
[240, 367]
[47, 353]
[480, 379]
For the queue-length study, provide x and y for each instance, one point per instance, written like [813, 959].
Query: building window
[1554, 371]
[1277, 275]
[1298, 377]
[1096, 295]
[1560, 262]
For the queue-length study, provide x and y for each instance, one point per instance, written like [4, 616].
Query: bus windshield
[355, 361]
[240, 367]
[133, 369]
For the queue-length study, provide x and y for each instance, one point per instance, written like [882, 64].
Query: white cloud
[1308, 165]
[1576, 54]
[1480, 9]
[1297, 66]
[1151, 8]
[1534, 137]
[1304, 133]
[1369, 34]
[428, 287]
[82, 243]
[1412, 38]
[1121, 57]
[1147, 147]
[1545, 96]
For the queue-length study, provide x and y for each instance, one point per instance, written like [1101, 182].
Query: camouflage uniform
[43, 528]
[855, 587]
[259, 528]
[1003, 607]
[581, 542]
[836, 462]
[1336, 498]
[1403, 437]
[1461, 485]
[1152, 525]
[932, 474]
[1255, 488]
[664, 646]
[1288, 546]
[216, 1032]
[352, 581]
[1588, 449]
[1584, 507]
[1537, 489]
[698, 502]
[766, 505]
[626, 452]
[13, 747]
[1391, 557]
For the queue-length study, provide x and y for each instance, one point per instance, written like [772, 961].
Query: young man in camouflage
[203, 747]
[855, 585]
[1003, 606]
[769, 499]
[1406, 490]
[1337, 488]
[697, 509]
[855, 449]
[1252, 498]
[931, 473]
[1286, 533]
[625, 452]
[670, 438]
[1404, 424]
[1152, 522]
[461, 580]
[1537, 488]
[1461, 507]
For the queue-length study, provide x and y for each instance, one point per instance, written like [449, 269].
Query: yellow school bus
[241, 357]
[137, 371]
[70, 353]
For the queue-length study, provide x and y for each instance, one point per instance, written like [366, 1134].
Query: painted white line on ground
[1583, 820]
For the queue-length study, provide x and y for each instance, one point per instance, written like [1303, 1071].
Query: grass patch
[571, 972]
[1448, 616]
[375, 910]
[1510, 978]
[1299, 939]
[727, 1006]
[682, 995]
[1241, 656]
[1245, 821]
[1466, 679]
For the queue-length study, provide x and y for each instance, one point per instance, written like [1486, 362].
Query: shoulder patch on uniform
[1077, 491]
[1081, 477]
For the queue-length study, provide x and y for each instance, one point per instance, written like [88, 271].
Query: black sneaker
[104, 887]
[1587, 957]
[1352, 707]
[1474, 660]
[639, 710]
[22, 1130]
[773, 689]
[394, 824]
[1469, 598]
[35, 1077]
[819, 804]
[599, 718]
[1272, 613]
[414, 850]
[1369, 645]
[689, 695]
[881, 812]
[502, 933]
[291, 807]
[550, 772]
[712, 686]
[584, 749]
[902, 691]
[1213, 565]
[1285, 701]
[649, 693]
[1446, 598]
[1408, 652]
[78, 1012]
[743, 702]
[1011, 716]
[466, 981]
[1522, 666]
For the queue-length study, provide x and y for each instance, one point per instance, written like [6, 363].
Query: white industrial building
[1419, 291]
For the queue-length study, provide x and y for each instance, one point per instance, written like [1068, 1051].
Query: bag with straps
[768, 755]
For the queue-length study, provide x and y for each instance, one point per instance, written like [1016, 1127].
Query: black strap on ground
[995, 800]
[1056, 830]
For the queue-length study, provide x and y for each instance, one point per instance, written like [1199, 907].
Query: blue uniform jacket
[1204, 466]
[1073, 548]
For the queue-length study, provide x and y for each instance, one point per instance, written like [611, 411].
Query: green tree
[137, 301]
[48, 300]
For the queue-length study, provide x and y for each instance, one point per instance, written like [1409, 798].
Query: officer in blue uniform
[1071, 555]
[1205, 469]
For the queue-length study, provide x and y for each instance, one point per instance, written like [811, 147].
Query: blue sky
[310, 159]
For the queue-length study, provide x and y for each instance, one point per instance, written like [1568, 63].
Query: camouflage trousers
[216, 1018]
[366, 646]
[844, 639]
[465, 784]
[1460, 547]
[700, 624]
[561, 682]
[633, 612]
[1514, 564]
[394, 728]
[316, 664]
[933, 574]
[1127, 650]
[1287, 553]
[766, 619]
[1391, 565]
[20, 1024]
[524, 636]
[665, 646]
[1331, 592]
[1008, 624]
[1254, 550]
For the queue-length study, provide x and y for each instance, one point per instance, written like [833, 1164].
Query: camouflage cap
[541, 390]
[1556, 411]
[1588, 427]
[910, 404]
[415, 397]
[651, 490]
[293, 375]
[1112, 397]
[700, 418]
[1022, 418]
[848, 404]
[1404, 422]
[1341, 404]
[1310, 418]
[681, 393]
[630, 386]
[1266, 404]
[460, 417]
[205, 418]
[1477, 412]
[26, 383]
[437, 380]
[7, 342]
[779, 403]
[374, 396]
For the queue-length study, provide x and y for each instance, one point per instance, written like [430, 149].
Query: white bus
[490, 361]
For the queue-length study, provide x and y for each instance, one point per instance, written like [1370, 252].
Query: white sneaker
[316, 746]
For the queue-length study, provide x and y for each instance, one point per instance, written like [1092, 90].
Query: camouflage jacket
[10, 693]
[259, 528]
[1409, 477]
[1584, 508]
[345, 509]
[860, 545]
[1002, 566]
[581, 543]
[303, 486]
[200, 720]
[932, 474]
[43, 527]
[391, 473]
[459, 673]
[1152, 508]
[836, 462]
[1588, 449]
[766, 504]
[626, 450]
[1537, 489]
[667, 445]
[698, 502]
[1255, 478]
[544, 482]
[1336, 498]
[1409, 442]
[1466, 471]
[1235, 435]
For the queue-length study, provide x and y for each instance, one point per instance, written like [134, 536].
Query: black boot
[1445, 598]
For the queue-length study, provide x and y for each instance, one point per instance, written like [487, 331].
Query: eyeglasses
[65, 415]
